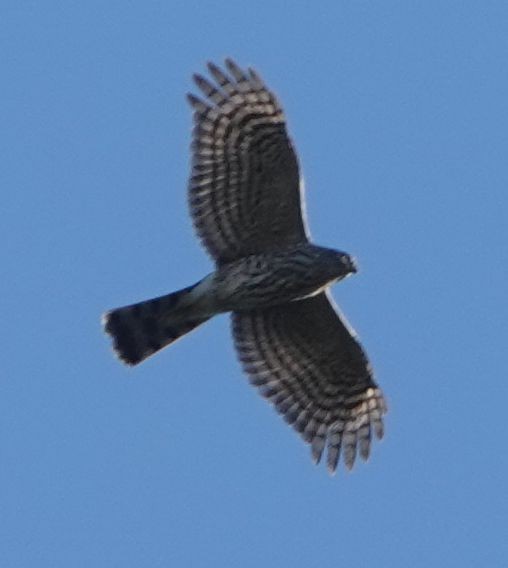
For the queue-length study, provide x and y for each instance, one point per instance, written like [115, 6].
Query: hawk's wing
[307, 362]
[244, 191]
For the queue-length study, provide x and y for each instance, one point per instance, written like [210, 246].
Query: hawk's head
[348, 263]
[338, 264]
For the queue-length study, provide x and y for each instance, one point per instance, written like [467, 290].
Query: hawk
[247, 207]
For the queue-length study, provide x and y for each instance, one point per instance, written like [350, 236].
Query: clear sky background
[399, 112]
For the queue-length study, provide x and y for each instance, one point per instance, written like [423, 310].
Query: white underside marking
[342, 317]
[303, 208]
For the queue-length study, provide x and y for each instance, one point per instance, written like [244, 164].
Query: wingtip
[196, 103]
[212, 67]
[315, 457]
[199, 80]
[234, 69]
[254, 75]
[332, 470]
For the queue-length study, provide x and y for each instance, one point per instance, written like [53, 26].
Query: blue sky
[398, 110]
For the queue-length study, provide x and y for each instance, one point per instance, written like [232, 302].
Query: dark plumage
[247, 208]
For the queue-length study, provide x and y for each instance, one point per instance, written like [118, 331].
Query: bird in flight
[247, 207]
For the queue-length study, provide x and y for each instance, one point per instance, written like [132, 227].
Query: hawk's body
[246, 206]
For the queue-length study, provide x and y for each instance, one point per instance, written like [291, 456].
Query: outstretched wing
[307, 362]
[244, 191]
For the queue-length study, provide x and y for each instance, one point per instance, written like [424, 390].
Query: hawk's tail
[140, 330]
